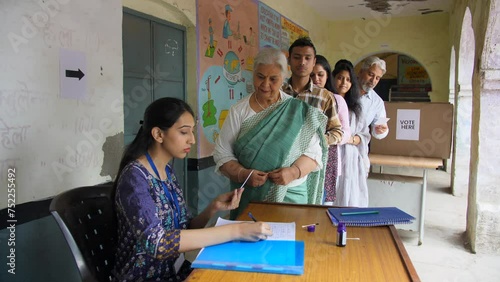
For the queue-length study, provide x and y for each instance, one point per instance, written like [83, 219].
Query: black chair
[86, 217]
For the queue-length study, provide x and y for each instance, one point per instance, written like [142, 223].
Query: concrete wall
[59, 137]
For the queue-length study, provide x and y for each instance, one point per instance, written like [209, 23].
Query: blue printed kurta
[148, 243]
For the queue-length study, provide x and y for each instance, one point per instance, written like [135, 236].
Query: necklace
[255, 96]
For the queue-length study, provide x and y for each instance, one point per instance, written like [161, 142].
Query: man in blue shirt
[373, 109]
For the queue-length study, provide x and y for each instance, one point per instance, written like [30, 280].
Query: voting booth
[419, 136]
[416, 130]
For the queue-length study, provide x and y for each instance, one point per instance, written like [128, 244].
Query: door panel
[136, 97]
[169, 89]
[136, 45]
[168, 46]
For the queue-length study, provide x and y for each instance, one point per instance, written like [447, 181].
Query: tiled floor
[443, 256]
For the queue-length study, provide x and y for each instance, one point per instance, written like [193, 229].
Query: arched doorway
[406, 79]
[463, 109]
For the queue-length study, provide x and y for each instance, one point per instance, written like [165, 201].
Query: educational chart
[230, 34]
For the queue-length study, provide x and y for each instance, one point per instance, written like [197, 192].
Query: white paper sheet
[382, 120]
[408, 125]
[281, 230]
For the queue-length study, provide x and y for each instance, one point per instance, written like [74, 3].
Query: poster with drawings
[229, 35]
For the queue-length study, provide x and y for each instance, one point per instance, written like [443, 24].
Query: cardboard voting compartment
[417, 129]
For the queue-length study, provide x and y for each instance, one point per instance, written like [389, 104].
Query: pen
[251, 216]
[312, 224]
[248, 177]
[358, 213]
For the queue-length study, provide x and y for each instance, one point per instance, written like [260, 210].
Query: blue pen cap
[341, 227]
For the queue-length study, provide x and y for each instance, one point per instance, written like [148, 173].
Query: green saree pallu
[275, 138]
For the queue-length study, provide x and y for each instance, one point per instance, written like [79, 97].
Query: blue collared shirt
[372, 109]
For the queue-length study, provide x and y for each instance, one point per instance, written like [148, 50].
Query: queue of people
[302, 141]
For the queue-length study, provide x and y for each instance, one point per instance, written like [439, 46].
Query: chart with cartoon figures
[230, 34]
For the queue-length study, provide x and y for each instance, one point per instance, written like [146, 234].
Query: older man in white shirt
[373, 109]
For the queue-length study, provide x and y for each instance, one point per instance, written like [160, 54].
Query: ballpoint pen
[251, 216]
[359, 213]
[307, 225]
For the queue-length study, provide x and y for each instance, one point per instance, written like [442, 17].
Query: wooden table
[415, 162]
[379, 255]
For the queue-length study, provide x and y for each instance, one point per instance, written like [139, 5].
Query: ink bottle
[341, 235]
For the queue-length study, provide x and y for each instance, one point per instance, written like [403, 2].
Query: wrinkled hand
[228, 201]
[258, 178]
[381, 128]
[283, 176]
[254, 231]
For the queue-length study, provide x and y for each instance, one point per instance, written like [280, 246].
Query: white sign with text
[408, 125]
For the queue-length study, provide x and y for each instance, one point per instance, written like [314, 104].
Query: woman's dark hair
[352, 96]
[162, 113]
[344, 61]
[322, 61]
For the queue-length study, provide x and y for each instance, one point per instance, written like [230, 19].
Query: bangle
[239, 171]
[300, 172]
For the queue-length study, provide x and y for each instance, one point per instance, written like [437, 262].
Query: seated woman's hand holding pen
[253, 231]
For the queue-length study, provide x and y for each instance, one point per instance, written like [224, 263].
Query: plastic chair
[86, 217]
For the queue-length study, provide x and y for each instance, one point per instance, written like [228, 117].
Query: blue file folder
[380, 216]
[284, 257]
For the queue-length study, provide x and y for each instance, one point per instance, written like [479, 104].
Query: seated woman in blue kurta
[154, 225]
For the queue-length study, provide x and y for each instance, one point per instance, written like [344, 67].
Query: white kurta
[352, 189]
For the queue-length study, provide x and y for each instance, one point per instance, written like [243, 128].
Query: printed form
[284, 231]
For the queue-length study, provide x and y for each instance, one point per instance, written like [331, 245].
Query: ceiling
[367, 9]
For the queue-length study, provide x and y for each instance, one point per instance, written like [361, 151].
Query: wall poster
[229, 35]
[411, 72]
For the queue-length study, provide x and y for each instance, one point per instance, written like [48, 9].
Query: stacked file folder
[376, 216]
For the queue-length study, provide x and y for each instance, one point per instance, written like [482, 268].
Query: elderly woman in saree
[273, 139]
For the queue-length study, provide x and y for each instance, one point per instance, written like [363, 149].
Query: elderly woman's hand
[283, 176]
[258, 178]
